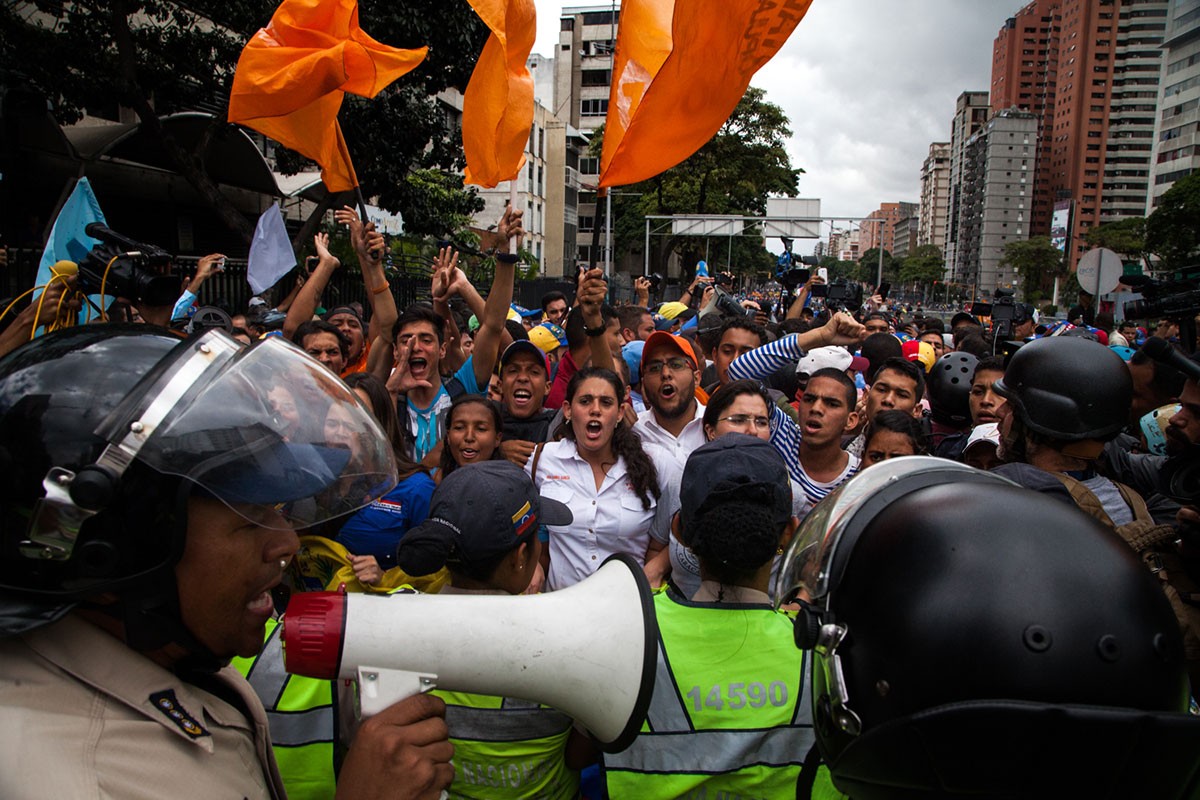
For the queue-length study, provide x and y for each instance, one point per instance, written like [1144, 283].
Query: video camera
[843, 295]
[1004, 312]
[138, 272]
[1177, 299]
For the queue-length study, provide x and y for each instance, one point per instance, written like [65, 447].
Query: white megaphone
[589, 650]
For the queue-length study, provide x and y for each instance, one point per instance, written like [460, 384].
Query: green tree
[734, 173]
[1124, 236]
[923, 267]
[157, 57]
[1173, 230]
[868, 267]
[1037, 262]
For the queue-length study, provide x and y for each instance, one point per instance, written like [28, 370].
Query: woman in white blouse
[621, 491]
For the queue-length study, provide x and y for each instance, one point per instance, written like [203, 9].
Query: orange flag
[292, 74]
[498, 103]
[679, 71]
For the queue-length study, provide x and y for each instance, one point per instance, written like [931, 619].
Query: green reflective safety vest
[506, 749]
[302, 715]
[729, 717]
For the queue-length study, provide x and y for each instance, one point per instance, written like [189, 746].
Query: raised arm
[368, 246]
[309, 296]
[499, 299]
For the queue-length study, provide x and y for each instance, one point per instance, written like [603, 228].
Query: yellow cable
[103, 280]
[20, 297]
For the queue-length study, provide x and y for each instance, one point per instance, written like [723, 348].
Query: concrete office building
[935, 196]
[1177, 128]
[970, 114]
[904, 236]
[998, 165]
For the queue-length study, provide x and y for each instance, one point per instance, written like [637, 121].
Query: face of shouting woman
[593, 414]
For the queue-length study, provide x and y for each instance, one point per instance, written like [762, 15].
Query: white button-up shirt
[681, 446]
[608, 520]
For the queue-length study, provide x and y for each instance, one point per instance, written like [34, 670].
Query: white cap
[831, 357]
[988, 432]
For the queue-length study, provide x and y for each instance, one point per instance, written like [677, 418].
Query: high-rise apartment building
[1025, 59]
[1088, 69]
[1177, 129]
[998, 165]
[970, 114]
[1105, 110]
[935, 195]
[582, 77]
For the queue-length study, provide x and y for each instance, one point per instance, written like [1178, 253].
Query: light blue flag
[67, 238]
[271, 254]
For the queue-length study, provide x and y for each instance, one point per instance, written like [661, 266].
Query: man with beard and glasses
[670, 375]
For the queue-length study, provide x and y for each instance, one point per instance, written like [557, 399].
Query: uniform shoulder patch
[166, 702]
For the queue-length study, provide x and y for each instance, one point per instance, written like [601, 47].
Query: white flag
[271, 253]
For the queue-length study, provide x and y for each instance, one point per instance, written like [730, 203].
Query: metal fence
[408, 277]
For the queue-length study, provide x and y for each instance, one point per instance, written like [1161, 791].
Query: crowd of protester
[602, 408]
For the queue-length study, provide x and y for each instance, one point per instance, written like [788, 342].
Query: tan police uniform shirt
[83, 716]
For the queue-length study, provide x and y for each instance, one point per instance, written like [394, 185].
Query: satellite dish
[1100, 271]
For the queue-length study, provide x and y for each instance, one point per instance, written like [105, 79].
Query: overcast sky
[867, 84]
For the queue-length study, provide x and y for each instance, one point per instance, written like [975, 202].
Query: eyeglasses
[762, 423]
[676, 364]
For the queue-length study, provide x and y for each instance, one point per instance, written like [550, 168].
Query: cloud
[868, 85]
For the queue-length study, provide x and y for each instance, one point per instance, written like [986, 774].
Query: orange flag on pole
[679, 71]
[498, 103]
[292, 74]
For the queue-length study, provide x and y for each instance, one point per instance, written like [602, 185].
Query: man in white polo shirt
[670, 377]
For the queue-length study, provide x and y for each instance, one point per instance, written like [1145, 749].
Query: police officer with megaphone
[147, 513]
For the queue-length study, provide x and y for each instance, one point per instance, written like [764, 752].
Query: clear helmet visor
[808, 561]
[260, 426]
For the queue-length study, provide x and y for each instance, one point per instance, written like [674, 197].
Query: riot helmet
[105, 431]
[949, 388]
[1068, 388]
[974, 638]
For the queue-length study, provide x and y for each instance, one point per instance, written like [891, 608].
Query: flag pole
[598, 223]
[512, 204]
[362, 209]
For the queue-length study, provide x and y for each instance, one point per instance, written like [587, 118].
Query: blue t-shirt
[377, 529]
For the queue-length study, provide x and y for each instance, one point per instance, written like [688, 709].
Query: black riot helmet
[1068, 388]
[105, 431]
[949, 388]
[976, 639]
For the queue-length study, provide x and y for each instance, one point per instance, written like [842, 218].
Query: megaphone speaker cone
[589, 651]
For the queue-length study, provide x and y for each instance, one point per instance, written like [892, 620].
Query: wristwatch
[596, 331]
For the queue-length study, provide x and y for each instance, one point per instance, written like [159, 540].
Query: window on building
[593, 108]
[596, 77]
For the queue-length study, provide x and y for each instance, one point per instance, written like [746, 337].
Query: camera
[138, 272]
[1004, 312]
[843, 295]
[1177, 299]
[656, 280]
[728, 306]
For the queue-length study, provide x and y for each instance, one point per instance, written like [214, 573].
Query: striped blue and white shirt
[760, 363]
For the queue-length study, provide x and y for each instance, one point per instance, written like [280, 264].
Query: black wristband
[596, 331]
[508, 258]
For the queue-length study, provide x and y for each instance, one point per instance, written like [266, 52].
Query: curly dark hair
[625, 443]
[734, 540]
